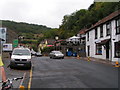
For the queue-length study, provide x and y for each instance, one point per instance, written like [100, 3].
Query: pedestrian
[2, 71]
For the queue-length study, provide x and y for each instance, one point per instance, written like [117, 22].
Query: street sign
[15, 43]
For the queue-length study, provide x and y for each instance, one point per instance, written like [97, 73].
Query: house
[46, 43]
[82, 35]
[74, 40]
[103, 38]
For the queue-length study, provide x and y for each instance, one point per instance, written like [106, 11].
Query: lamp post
[56, 38]
[20, 38]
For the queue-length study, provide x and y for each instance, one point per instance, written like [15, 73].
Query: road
[72, 73]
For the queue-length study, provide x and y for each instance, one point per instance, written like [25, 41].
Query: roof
[74, 37]
[82, 31]
[109, 17]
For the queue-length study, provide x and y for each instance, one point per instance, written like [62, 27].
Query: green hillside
[20, 27]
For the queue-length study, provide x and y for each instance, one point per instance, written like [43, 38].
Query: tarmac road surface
[72, 73]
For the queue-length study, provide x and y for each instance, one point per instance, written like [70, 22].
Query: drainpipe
[111, 41]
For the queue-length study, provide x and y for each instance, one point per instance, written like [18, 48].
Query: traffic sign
[15, 43]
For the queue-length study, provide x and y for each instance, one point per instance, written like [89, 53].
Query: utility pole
[110, 41]
[56, 38]
[1, 46]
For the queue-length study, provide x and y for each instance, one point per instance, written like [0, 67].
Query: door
[88, 47]
[107, 50]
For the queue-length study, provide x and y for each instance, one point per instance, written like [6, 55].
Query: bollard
[22, 87]
[117, 64]
[88, 58]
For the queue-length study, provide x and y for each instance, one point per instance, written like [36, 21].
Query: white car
[21, 57]
[56, 54]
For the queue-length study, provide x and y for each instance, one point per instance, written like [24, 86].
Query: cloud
[45, 12]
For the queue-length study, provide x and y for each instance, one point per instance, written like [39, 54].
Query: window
[117, 49]
[107, 29]
[98, 49]
[118, 26]
[101, 31]
[88, 36]
[96, 33]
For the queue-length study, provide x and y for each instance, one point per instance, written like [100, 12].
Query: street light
[56, 38]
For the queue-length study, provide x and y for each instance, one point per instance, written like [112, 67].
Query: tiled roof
[109, 17]
[82, 31]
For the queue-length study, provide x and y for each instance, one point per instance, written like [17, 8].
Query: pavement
[104, 61]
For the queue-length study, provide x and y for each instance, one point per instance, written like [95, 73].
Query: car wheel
[12, 65]
[29, 66]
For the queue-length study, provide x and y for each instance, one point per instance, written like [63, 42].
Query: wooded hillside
[85, 18]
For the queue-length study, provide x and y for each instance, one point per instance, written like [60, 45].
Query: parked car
[38, 54]
[56, 54]
[21, 57]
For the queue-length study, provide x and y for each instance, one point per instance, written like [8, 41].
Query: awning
[103, 42]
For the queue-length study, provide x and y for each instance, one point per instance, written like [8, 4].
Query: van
[21, 57]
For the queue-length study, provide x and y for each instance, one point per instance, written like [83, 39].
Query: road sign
[15, 43]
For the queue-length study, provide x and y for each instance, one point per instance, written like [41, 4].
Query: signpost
[15, 43]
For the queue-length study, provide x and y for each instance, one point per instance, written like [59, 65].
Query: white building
[74, 40]
[103, 38]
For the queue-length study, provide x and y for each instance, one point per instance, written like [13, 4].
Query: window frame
[97, 51]
[117, 21]
[101, 31]
[88, 36]
[108, 29]
[116, 49]
[96, 33]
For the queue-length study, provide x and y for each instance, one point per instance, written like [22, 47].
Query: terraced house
[103, 38]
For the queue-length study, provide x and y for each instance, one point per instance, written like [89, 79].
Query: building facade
[74, 40]
[103, 38]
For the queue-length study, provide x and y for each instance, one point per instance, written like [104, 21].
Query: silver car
[56, 54]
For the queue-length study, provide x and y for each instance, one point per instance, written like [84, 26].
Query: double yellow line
[30, 80]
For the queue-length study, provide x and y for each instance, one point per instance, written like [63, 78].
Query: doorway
[88, 49]
[107, 50]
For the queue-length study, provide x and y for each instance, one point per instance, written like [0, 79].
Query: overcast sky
[42, 12]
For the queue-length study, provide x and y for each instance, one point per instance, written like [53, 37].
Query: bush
[47, 49]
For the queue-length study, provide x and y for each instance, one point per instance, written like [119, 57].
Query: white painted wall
[92, 40]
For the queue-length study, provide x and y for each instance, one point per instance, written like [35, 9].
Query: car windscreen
[58, 52]
[21, 52]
